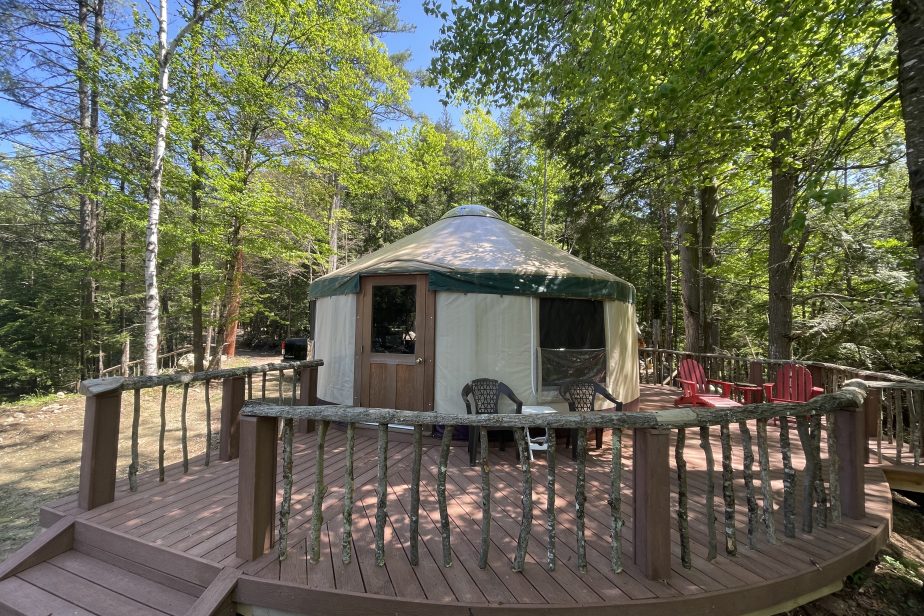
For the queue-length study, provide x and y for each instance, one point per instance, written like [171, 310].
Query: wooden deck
[194, 515]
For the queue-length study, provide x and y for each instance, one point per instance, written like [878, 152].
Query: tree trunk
[667, 245]
[333, 224]
[697, 256]
[195, 200]
[196, 261]
[88, 110]
[152, 299]
[909, 26]
[235, 278]
[708, 259]
[783, 182]
[688, 228]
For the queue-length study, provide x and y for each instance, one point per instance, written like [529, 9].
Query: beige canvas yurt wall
[497, 336]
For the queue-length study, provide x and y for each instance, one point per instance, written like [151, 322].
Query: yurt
[471, 296]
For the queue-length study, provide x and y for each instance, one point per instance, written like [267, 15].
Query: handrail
[884, 376]
[119, 383]
[853, 393]
[135, 362]
[103, 410]
[843, 494]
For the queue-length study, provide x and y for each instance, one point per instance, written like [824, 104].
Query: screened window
[572, 340]
[394, 315]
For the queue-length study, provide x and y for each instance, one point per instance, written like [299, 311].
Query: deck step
[76, 583]
[79, 568]
[904, 477]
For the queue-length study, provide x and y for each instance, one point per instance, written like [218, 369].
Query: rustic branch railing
[103, 409]
[893, 406]
[651, 432]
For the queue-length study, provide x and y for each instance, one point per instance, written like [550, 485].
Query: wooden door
[394, 343]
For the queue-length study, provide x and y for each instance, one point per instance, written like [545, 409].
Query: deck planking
[196, 514]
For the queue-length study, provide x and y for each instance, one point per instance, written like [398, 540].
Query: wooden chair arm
[816, 391]
[768, 392]
[725, 385]
[689, 387]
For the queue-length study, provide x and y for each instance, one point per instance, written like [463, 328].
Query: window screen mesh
[572, 340]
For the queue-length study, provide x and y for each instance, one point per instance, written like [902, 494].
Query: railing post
[872, 413]
[652, 506]
[232, 399]
[307, 395]
[756, 373]
[851, 450]
[100, 449]
[256, 488]
[818, 376]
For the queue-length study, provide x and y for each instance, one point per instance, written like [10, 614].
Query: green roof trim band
[496, 283]
[506, 283]
[334, 285]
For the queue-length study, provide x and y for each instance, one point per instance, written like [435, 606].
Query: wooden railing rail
[164, 361]
[843, 494]
[893, 407]
[296, 383]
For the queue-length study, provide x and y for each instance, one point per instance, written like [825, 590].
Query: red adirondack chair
[793, 384]
[697, 389]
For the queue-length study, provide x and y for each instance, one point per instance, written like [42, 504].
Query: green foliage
[611, 119]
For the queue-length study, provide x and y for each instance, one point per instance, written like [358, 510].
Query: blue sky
[423, 100]
[427, 29]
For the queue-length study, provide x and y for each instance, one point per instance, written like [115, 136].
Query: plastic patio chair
[697, 387]
[485, 393]
[581, 396]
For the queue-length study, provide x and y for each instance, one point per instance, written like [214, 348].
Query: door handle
[419, 360]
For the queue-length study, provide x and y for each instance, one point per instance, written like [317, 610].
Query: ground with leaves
[41, 438]
[40, 442]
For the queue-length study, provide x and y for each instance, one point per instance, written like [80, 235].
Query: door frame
[425, 342]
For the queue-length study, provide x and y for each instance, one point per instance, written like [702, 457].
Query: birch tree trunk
[909, 26]
[151, 297]
[165, 52]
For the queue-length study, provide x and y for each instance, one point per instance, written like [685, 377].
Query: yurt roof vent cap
[471, 209]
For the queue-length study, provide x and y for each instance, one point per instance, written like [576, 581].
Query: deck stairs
[76, 568]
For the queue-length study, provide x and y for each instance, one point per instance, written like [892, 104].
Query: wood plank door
[395, 343]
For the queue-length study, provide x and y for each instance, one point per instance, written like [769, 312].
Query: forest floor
[40, 441]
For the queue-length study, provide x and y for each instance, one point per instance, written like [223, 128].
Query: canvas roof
[471, 250]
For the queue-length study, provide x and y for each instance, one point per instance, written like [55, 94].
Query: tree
[909, 26]
[161, 113]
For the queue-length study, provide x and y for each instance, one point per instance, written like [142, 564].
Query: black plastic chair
[581, 396]
[486, 394]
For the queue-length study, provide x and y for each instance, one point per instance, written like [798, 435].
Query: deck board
[196, 514]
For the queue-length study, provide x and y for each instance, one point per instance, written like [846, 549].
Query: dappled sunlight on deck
[196, 514]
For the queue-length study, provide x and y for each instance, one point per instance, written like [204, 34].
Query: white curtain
[622, 351]
[334, 342]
